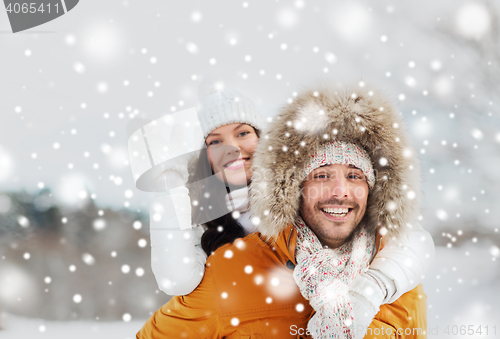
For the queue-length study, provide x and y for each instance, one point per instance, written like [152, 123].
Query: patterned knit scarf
[324, 275]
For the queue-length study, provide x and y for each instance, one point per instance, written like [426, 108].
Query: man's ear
[301, 191]
[301, 199]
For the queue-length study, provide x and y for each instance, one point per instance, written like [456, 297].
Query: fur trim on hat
[317, 117]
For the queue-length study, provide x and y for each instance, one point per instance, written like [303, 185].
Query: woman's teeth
[337, 212]
[236, 163]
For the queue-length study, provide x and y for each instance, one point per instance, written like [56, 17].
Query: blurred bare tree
[471, 108]
[84, 263]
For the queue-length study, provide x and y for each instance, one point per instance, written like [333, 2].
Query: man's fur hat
[364, 115]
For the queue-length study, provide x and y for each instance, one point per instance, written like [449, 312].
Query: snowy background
[74, 240]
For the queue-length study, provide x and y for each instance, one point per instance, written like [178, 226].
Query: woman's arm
[177, 259]
[396, 269]
[401, 264]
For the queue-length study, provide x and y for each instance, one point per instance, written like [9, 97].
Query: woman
[231, 126]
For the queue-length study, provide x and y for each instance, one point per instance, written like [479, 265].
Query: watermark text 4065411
[464, 330]
[32, 7]
[25, 14]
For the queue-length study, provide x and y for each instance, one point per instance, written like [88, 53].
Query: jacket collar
[286, 243]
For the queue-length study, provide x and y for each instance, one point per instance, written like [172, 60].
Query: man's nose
[339, 187]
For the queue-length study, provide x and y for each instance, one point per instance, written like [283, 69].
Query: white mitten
[171, 158]
[173, 177]
[171, 211]
[367, 294]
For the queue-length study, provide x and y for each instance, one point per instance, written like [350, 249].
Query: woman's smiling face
[230, 150]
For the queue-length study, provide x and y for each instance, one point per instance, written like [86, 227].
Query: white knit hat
[228, 107]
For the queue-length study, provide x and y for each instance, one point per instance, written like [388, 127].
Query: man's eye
[354, 176]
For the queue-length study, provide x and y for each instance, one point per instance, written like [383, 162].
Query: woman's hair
[224, 229]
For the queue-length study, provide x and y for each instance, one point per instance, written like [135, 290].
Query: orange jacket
[248, 291]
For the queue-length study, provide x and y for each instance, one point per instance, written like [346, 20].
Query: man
[333, 169]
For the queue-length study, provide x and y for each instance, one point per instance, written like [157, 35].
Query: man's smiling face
[333, 202]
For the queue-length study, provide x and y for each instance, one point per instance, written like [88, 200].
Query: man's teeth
[340, 212]
[236, 163]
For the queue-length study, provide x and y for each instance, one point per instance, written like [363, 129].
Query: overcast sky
[74, 89]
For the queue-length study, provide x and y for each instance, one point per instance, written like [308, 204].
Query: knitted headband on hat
[345, 153]
[228, 107]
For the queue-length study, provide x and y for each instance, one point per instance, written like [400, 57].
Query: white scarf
[324, 276]
[238, 200]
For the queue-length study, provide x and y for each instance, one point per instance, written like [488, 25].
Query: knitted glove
[171, 211]
[174, 210]
[173, 178]
[367, 294]
[172, 175]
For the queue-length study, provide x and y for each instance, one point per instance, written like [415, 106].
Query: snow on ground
[15, 327]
